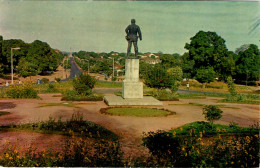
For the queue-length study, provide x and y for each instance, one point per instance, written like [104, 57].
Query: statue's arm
[126, 30]
[139, 33]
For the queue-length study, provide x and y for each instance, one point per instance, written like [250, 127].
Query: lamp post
[113, 74]
[12, 65]
[88, 67]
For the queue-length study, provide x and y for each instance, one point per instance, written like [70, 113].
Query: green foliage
[187, 147]
[88, 145]
[45, 80]
[231, 86]
[168, 60]
[21, 91]
[177, 74]
[26, 68]
[66, 64]
[84, 84]
[212, 113]
[157, 77]
[57, 80]
[205, 75]
[31, 59]
[207, 129]
[207, 49]
[247, 64]
[163, 146]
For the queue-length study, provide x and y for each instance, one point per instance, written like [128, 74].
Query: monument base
[119, 101]
[132, 90]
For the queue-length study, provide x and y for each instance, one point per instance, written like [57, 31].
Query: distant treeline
[207, 58]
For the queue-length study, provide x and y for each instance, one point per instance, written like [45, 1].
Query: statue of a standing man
[131, 37]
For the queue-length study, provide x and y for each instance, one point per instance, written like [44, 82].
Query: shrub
[231, 86]
[45, 80]
[212, 113]
[52, 89]
[191, 150]
[84, 84]
[21, 91]
[57, 80]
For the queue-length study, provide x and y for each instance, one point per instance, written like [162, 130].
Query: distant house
[152, 60]
[114, 54]
[150, 55]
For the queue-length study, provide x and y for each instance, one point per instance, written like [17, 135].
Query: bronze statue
[131, 37]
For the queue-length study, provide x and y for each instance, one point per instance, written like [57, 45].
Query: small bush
[212, 113]
[57, 80]
[21, 91]
[45, 80]
[84, 84]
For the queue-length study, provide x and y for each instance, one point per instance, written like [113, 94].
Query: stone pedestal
[132, 87]
[132, 91]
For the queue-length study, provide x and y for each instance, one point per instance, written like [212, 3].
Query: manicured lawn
[138, 112]
[104, 84]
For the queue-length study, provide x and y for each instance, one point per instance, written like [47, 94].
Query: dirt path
[129, 128]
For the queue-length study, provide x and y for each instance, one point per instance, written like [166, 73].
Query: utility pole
[113, 68]
[12, 65]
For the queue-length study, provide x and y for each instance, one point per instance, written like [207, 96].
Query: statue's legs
[129, 48]
[136, 48]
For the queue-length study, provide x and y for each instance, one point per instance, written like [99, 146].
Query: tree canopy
[207, 49]
[31, 59]
[248, 64]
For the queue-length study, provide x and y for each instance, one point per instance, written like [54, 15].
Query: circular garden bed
[136, 111]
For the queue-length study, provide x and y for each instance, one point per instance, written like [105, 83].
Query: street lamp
[12, 66]
[88, 67]
[113, 66]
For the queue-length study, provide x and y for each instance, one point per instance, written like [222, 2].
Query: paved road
[74, 71]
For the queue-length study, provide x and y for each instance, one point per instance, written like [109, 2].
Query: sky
[100, 26]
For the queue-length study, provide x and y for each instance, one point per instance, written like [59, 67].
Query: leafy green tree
[212, 113]
[205, 75]
[248, 64]
[207, 49]
[177, 74]
[157, 77]
[26, 68]
[227, 66]
[144, 67]
[168, 60]
[186, 65]
[17, 54]
[42, 55]
[83, 84]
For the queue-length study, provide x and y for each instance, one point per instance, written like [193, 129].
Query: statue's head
[132, 20]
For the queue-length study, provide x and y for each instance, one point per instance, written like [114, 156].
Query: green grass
[240, 101]
[103, 84]
[207, 129]
[198, 104]
[4, 112]
[67, 104]
[54, 88]
[137, 112]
